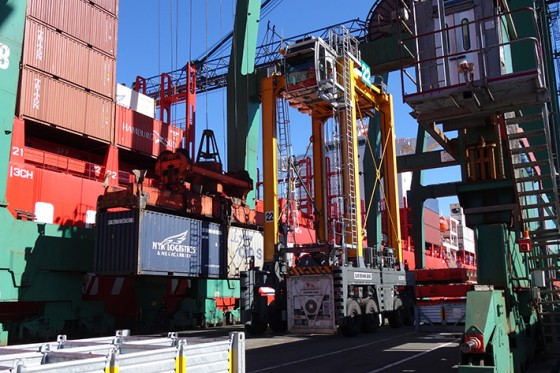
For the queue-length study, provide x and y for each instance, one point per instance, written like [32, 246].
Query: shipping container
[111, 6]
[432, 233]
[243, 243]
[131, 99]
[141, 133]
[100, 113]
[51, 101]
[79, 19]
[152, 243]
[57, 54]
[311, 304]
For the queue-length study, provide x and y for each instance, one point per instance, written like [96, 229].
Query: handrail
[481, 52]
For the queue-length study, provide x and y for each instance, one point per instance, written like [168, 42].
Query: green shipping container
[12, 21]
[211, 289]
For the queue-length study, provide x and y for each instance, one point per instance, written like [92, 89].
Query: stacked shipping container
[68, 77]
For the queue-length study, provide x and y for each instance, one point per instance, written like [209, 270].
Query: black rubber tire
[408, 314]
[353, 322]
[277, 325]
[256, 328]
[370, 322]
[396, 318]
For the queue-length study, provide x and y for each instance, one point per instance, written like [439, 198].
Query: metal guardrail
[124, 353]
[481, 51]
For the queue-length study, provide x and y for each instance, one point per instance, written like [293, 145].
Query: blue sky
[161, 35]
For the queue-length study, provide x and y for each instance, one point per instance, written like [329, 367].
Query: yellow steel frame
[367, 98]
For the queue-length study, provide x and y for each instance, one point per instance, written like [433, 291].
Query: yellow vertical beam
[270, 89]
[390, 182]
[319, 178]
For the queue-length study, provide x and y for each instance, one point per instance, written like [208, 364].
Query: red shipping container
[66, 58]
[111, 6]
[101, 74]
[48, 100]
[135, 131]
[454, 290]
[79, 19]
[52, 101]
[99, 117]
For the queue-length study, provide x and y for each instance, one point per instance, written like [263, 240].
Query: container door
[462, 41]
[311, 304]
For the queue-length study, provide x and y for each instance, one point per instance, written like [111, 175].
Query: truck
[334, 284]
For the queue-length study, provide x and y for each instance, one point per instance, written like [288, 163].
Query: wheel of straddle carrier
[396, 316]
[408, 314]
[275, 318]
[353, 320]
[370, 321]
[255, 327]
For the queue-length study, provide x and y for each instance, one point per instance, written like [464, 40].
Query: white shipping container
[467, 245]
[465, 232]
[311, 304]
[451, 313]
[136, 101]
[243, 244]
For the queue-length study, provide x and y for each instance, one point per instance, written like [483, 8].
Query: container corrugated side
[99, 119]
[51, 101]
[243, 243]
[101, 74]
[152, 243]
[48, 100]
[111, 6]
[116, 248]
[64, 57]
[138, 132]
[78, 19]
[103, 31]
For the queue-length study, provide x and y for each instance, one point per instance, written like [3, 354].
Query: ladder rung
[529, 149]
[537, 205]
[545, 241]
[524, 179]
[546, 232]
[536, 192]
[531, 164]
[525, 135]
[540, 218]
[524, 119]
[545, 256]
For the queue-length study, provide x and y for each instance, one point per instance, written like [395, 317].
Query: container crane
[482, 69]
[336, 280]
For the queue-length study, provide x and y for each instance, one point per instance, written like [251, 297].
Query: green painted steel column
[416, 203]
[12, 21]
[242, 94]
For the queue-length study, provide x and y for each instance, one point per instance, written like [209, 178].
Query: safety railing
[432, 72]
[139, 354]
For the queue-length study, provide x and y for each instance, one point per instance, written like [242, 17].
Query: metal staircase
[536, 184]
